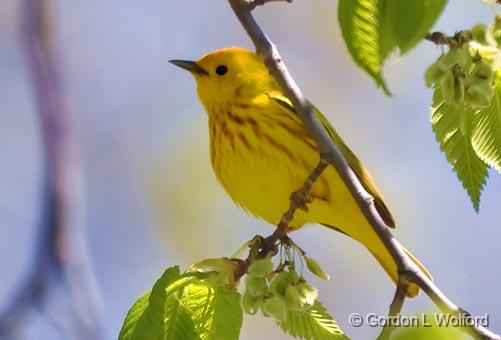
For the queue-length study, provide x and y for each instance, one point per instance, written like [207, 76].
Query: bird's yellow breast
[261, 154]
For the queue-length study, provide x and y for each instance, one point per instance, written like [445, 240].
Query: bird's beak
[189, 66]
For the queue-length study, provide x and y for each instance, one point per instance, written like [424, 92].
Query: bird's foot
[301, 198]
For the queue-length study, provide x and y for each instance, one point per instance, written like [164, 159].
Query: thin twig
[61, 264]
[455, 41]
[332, 154]
[299, 200]
[395, 308]
[254, 3]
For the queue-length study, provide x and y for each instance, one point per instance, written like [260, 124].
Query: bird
[261, 152]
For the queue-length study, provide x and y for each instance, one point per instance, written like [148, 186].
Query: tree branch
[331, 153]
[60, 256]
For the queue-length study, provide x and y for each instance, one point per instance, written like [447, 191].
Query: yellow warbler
[261, 152]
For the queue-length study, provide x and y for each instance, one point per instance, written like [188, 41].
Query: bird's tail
[384, 258]
[369, 238]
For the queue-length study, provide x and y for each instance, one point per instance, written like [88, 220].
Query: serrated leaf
[453, 130]
[146, 316]
[184, 307]
[312, 324]
[372, 29]
[215, 311]
[486, 136]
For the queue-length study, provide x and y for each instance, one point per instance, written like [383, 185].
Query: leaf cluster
[466, 108]
[204, 303]
[466, 111]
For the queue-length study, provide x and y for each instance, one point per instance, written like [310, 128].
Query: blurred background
[151, 199]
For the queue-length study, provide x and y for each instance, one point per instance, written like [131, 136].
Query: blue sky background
[151, 198]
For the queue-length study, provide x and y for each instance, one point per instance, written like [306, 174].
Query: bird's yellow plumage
[261, 152]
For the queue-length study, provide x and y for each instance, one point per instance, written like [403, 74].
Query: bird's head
[228, 75]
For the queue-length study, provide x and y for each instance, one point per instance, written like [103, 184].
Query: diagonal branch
[331, 153]
[61, 266]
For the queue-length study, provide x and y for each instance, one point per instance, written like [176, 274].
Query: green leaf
[453, 131]
[359, 20]
[215, 311]
[178, 322]
[373, 29]
[315, 268]
[312, 324]
[146, 316]
[184, 307]
[486, 136]
[406, 23]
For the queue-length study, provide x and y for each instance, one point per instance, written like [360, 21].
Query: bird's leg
[299, 199]
[302, 197]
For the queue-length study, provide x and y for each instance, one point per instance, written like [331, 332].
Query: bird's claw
[301, 199]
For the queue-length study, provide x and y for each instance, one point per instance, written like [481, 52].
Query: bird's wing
[356, 165]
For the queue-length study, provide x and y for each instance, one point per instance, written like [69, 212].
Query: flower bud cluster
[276, 293]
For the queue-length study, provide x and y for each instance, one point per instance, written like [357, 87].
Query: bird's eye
[221, 70]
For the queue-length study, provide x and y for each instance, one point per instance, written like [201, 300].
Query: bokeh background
[151, 198]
